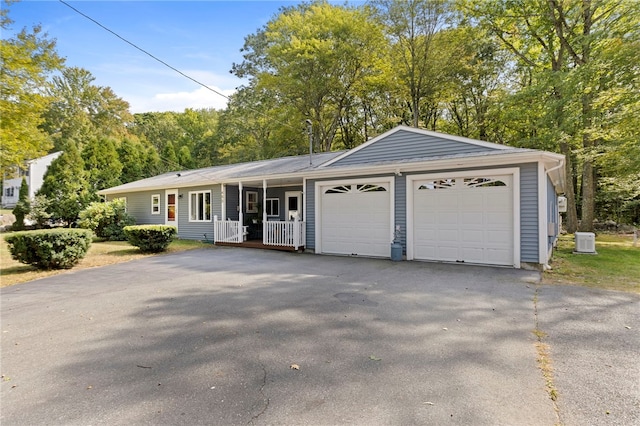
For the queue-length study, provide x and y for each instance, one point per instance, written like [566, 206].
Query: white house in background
[451, 199]
[34, 175]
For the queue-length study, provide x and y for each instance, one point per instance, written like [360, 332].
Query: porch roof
[254, 170]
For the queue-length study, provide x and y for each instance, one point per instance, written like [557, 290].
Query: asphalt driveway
[211, 336]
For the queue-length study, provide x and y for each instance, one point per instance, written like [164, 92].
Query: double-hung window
[155, 204]
[273, 207]
[200, 206]
[252, 202]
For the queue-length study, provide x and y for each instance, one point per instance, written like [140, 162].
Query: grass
[100, 253]
[615, 267]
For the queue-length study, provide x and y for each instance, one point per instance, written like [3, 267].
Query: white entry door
[293, 203]
[171, 210]
[355, 218]
[464, 219]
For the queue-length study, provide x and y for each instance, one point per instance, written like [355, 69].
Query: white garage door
[356, 219]
[464, 219]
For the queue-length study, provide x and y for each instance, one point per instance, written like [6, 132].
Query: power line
[143, 51]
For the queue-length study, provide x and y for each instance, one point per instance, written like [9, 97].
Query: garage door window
[483, 182]
[341, 189]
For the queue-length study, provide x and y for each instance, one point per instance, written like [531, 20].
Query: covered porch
[266, 214]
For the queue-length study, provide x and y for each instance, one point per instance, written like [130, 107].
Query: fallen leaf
[374, 358]
[627, 327]
[445, 328]
[294, 367]
[429, 403]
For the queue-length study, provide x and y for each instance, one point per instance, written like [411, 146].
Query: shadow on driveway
[209, 337]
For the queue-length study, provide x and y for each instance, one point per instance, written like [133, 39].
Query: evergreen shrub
[60, 248]
[107, 220]
[150, 238]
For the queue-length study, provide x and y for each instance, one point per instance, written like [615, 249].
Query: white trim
[155, 196]
[506, 158]
[513, 171]
[542, 215]
[210, 206]
[304, 200]
[166, 206]
[390, 180]
[420, 132]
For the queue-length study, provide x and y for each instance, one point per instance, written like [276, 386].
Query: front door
[171, 215]
[293, 200]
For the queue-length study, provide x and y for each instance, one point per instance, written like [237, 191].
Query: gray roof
[253, 169]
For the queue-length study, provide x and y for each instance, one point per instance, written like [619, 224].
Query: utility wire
[143, 51]
[168, 65]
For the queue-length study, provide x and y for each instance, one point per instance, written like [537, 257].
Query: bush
[50, 248]
[150, 238]
[107, 220]
[21, 210]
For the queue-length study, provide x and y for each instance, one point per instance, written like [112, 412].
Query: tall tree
[23, 206]
[65, 186]
[562, 47]
[82, 110]
[412, 26]
[26, 61]
[315, 57]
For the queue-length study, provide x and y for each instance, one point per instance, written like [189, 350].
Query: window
[200, 206]
[273, 207]
[155, 204]
[252, 202]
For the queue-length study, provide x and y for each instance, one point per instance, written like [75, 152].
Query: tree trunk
[571, 224]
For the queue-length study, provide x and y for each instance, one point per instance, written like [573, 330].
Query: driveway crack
[264, 397]
[544, 357]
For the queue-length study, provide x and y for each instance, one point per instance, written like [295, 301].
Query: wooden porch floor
[258, 245]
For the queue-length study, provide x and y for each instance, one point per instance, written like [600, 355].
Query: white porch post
[240, 206]
[296, 233]
[223, 189]
[264, 210]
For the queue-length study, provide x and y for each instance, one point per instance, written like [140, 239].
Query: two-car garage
[468, 217]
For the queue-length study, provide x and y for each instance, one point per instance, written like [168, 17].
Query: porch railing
[228, 231]
[284, 233]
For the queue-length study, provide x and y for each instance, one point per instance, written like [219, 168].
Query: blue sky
[200, 38]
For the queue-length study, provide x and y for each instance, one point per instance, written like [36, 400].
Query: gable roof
[404, 143]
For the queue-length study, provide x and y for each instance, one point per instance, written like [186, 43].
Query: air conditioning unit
[585, 242]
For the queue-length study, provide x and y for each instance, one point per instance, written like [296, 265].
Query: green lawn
[100, 253]
[615, 267]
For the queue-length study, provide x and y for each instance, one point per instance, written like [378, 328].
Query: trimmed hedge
[150, 238]
[58, 248]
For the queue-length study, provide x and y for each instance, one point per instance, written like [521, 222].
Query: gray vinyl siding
[529, 236]
[196, 230]
[139, 206]
[400, 204]
[412, 146]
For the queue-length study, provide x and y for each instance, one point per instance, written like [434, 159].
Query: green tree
[82, 111]
[412, 26]
[102, 164]
[22, 208]
[563, 51]
[315, 57]
[38, 212]
[26, 61]
[65, 186]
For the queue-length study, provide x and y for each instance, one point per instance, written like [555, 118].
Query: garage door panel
[468, 219]
[355, 221]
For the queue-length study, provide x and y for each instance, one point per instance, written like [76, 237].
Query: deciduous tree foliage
[317, 58]
[25, 63]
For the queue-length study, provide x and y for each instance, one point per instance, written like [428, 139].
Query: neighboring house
[450, 198]
[33, 172]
